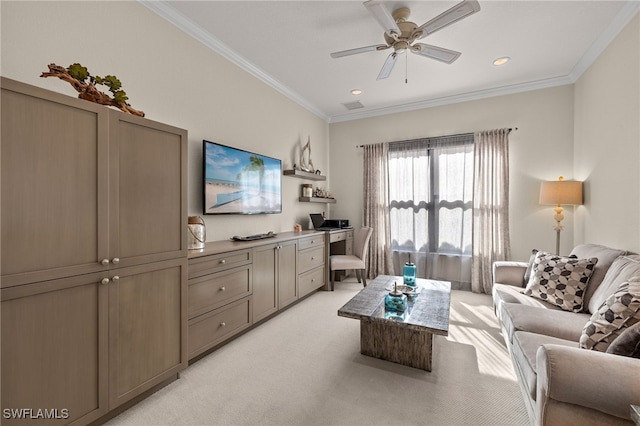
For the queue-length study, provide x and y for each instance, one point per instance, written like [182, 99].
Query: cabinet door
[54, 350]
[265, 296]
[147, 327]
[148, 216]
[54, 180]
[286, 273]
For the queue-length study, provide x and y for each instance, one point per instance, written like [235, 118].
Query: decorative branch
[77, 76]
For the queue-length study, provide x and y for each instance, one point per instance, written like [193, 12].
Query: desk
[339, 241]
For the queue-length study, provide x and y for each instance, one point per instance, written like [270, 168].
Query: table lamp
[558, 193]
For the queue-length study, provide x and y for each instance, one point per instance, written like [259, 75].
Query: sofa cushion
[620, 310]
[622, 269]
[561, 280]
[628, 343]
[549, 321]
[606, 256]
[524, 349]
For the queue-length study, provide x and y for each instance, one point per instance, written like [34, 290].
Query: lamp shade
[561, 192]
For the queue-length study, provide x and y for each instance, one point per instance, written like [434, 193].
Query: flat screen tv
[240, 182]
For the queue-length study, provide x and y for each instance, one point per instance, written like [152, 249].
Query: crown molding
[620, 21]
[165, 11]
[626, 14]
[454, 99]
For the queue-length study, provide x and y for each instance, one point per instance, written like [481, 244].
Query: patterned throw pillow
[628, 343]
[560, 280]
[619, 311]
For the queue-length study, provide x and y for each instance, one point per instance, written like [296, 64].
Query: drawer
[217, 326]
[218, 262]
[337, 236]
[310, 281]
[215, 290]
[309, 242]
[310, 259]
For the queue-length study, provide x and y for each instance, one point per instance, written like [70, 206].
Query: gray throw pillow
[527, 273]
[628, 343]
[620, 311]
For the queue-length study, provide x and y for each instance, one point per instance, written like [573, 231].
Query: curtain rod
[511, 129]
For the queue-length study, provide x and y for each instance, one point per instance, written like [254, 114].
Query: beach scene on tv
[240, 182]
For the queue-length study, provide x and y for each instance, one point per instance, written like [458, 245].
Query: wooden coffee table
[407, 340]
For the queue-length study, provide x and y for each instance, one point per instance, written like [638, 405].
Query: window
[430, 205]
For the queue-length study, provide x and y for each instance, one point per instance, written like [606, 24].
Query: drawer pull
[223, 288]
[115, 260]
[104, 281]
[105, 262]
[115, 279]
[313, 258]
[222, 324]
[313, 280]
[313, 241]
[223, 261]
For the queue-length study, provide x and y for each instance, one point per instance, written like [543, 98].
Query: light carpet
[304, 367]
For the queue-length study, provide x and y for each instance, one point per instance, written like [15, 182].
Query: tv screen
[240, 182]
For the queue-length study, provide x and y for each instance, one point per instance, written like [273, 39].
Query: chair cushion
[560, 280]
[622, 269]
[346, 261]
[606, 256]
[549, 321]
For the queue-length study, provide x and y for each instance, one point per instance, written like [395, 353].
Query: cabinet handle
[223, 288]
[222, 324]
[115, 260]
[104, 281]
[223, 261]
[105, 262]
[313, 280]
[313, 241]
[115, 279]
[313, 258]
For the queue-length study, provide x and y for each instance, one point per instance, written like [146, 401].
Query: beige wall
[176, 80]
[541, 149]
[173, 79]
[607, 144]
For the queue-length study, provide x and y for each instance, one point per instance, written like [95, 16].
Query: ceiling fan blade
[382, 15]
[434, 52]
[454, 14]
[388, 66]
[359, 50]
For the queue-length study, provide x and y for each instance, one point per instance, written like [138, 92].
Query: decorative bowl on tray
[405, 289]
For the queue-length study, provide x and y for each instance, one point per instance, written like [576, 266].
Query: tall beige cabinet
[94, 256]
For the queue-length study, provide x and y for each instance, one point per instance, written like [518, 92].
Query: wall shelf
[303, 175]
[317, 200]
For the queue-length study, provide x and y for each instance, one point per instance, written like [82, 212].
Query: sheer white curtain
[376, 208]
[430, 191]
[490, 206]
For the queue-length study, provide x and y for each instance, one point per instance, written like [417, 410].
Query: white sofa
[562, 383]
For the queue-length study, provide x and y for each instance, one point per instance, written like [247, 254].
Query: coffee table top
[429, 310]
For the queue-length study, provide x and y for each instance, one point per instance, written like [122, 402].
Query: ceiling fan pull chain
[406, 68]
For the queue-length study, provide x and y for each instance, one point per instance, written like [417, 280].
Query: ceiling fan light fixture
[501, 61]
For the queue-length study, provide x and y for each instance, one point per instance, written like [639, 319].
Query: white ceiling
[287, 45]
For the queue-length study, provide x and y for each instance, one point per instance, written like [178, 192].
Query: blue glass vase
[409, 274]
[395, 301]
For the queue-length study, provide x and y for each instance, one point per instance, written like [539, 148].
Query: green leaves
[81, 73]
[78, 72]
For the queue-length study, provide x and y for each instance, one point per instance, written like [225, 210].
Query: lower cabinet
[230, 290]
[55, 350]
[81, 346]
[147, 327]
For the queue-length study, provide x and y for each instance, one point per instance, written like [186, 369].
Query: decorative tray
[408, 290]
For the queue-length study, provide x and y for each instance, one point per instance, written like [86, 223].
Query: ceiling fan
[401, 34]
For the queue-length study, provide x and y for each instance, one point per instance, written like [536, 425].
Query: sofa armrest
[595, 380]
[509, 272]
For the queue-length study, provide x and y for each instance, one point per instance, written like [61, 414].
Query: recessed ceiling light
[501, 61]
[356, 92]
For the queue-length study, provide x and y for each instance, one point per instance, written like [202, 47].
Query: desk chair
[356, 261]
